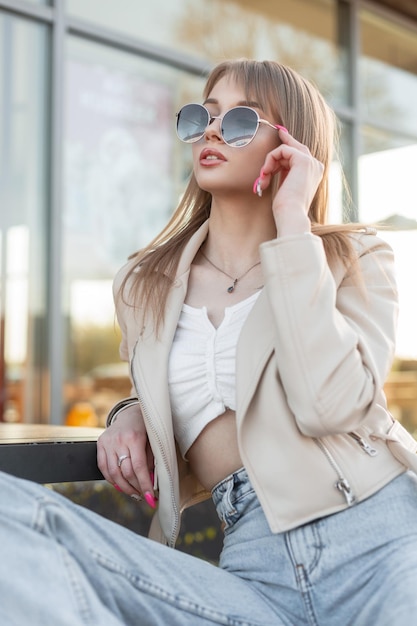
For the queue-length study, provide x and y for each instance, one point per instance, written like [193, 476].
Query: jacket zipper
[146, 413]
[366, 447]
[342, 483]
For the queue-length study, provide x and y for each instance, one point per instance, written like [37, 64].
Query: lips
[211, 157]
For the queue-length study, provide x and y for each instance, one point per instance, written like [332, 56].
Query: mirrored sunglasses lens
[192, 121]
[239, 126]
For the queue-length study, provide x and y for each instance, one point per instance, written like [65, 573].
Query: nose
[213, 130]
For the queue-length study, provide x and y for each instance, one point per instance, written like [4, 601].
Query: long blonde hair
[296, 104]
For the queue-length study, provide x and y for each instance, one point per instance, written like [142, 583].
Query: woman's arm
[334, 342]
[127, 436]
[126, 433]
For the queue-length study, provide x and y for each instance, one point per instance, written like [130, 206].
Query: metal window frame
[61, 25]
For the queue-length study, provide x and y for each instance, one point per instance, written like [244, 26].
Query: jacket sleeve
[125, 316]
[334, 330]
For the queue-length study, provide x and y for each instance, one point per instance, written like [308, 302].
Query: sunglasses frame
[211, 118]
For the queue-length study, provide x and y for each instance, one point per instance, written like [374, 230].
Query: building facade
[90, 168]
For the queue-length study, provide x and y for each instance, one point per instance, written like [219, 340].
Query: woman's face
[223, 169]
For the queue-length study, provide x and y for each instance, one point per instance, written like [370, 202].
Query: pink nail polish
[256, 186]
[150, 499]
[117, 487]
[281, 128]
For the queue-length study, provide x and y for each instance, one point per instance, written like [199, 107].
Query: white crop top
[201, 368]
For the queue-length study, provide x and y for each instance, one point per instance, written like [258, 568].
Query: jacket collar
[255, 347]
[191, 249]
[151, 354]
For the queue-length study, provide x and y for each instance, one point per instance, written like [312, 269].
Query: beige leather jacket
[313, 429]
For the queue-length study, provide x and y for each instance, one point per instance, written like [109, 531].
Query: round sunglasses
[238, 126]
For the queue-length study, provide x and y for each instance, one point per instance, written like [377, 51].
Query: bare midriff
[215, 453]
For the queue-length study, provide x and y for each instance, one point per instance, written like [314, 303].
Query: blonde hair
[291, 101]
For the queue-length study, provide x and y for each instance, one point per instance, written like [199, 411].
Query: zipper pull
[343, 486]
[366, 447]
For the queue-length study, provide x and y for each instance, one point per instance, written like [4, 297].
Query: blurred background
[90, 168]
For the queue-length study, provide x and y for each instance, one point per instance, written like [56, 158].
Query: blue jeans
[61, 564]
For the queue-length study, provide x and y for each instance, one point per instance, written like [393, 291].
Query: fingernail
[282, 128]
[150, 499]
[257, 186]
[136, 497]
[117, 487]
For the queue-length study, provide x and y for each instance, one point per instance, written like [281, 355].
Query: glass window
[124, 173]
[388, 194]
[340, 201]
[300, 33]
[23, 200]
[386, 170]
[388, 73]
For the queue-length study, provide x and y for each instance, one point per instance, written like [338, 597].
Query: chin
[216, 186]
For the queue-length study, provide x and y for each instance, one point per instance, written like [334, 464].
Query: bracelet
[118, 408]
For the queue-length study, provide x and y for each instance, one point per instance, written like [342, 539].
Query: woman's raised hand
[299, 177]
[124, 455]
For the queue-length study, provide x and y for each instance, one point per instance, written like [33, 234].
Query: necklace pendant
[232, 287]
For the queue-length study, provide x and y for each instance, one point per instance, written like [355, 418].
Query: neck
[234, 237]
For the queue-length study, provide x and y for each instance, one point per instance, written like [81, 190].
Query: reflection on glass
[124, 172]
[339, 193]
[335, 215]
[388, 193]
[23, 136]
[388, 73]
[301, 33]
[341, 208]
[387, 176]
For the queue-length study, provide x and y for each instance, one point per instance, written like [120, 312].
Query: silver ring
[122, 458]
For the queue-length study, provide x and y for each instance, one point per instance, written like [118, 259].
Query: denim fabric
[61, 564]
[355, 568]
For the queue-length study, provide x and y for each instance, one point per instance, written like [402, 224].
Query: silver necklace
[235, 280]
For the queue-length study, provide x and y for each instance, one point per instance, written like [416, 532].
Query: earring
[259, 188]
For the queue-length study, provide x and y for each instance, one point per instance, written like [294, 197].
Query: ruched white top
[201, 369]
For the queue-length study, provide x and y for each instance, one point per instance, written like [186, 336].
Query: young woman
[259, 339]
